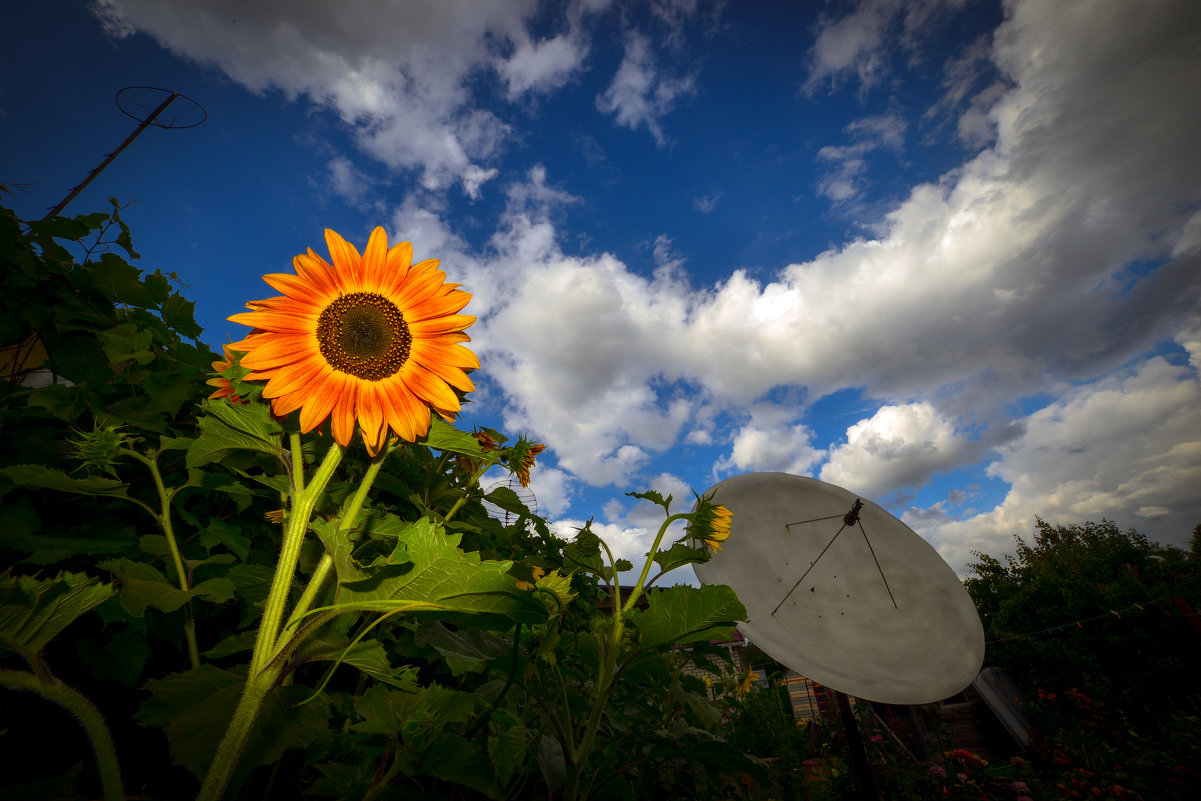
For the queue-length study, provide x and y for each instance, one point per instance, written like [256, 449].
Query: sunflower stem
[303, 503]
[163, 516]
[650, 558]
[88, 716]
[229, 752]
[475, 480]
[346, 524]
[297, 462]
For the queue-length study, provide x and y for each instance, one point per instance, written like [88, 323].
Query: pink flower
[877, 738]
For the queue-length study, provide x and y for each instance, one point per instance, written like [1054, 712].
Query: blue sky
[943, 254]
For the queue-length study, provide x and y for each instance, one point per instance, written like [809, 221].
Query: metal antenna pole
[62, 204]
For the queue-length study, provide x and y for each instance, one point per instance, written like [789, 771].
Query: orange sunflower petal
[279, 349]
[344, 255]
[320, 402]
[342, 417]
[375, 259]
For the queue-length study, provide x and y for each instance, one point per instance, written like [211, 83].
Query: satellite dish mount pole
[62, 204]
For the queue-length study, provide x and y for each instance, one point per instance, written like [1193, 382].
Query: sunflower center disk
[364, 335]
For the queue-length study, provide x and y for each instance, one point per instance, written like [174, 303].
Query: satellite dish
[844, 593]
[524, 494]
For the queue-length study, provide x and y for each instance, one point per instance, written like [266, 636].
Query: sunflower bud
[99, 448]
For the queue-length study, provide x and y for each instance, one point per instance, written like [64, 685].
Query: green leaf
[683, 614]
[195, 709]
[33, 610]
[465, 650]
[229, 427]
[143, 586]
[368, 656]
[36, 475]
[419, 717]
[179, 314]
[653, 497]
[680, 554]
[242, 642]
[456, 759]
[427, 572]
[506, 748]
[124, 239]
[121, 282]
[124, 343]
[508, 500]
[445, 437]
[551, 762]
[231, 535]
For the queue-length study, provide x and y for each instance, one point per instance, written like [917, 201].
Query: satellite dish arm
[62, 204]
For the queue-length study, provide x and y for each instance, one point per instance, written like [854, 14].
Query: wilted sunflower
[372, 339]
[522, 460]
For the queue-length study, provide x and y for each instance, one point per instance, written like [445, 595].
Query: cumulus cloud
[1126, 448]
[641, 94]
[1006, 276]
[897, 447]
[771, 441]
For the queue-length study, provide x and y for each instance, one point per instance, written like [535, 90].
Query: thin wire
[1079, 622]
[811, 564]
[877, 561]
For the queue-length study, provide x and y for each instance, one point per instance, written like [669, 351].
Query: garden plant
[270, 573]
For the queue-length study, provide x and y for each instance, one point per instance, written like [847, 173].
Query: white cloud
[897, 447]
[543, 65]
[706, 203]
[771, 441]
[640, 94]
[398, 73]
[844, 181]
[1126, 448]
[861, 42]
[1006, 277]
[553, 489]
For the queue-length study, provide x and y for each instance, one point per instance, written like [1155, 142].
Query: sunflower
[224, 386]
[714, 526]
[523, 457]
[371, 339]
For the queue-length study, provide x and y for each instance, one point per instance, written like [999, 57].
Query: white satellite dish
[844, 593]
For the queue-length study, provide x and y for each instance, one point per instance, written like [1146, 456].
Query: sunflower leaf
[229, 427]
[680, 554]
[36, 475]
[195, 708]
[427, 572]
[33, 610]
[445, 437]
[684, 614]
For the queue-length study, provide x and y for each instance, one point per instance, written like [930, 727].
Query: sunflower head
[223, 384]
[711, 523]
[748, 681]
[367, 340]
[521, 458]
